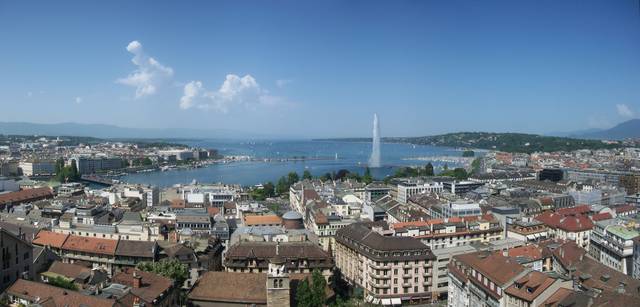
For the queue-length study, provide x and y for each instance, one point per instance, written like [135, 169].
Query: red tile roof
[530, 286]
[601, 216]
[25, 195]
[530, 251]
[34, 291]
[495, 266]
[91, 245]
[625, 208]
[567, 222]
[251, 220]
[213, 211]
[49, 238]
[153, 286]
[581, 209]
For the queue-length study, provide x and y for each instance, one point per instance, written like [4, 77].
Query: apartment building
[407, 189]
[451, 232]
[612, 244]
[391, 270]
[38, 167]
[481, 278]
[16, 258]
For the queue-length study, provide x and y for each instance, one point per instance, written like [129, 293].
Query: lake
[328, 156]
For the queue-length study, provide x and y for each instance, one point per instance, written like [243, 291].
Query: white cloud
[234, 91]
[78, 100]
[283, 82]
[624, 110]
[149, 74]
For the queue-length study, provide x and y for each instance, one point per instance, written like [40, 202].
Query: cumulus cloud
[149, 73]
[624, 110]
[234, 91]
[78, 100]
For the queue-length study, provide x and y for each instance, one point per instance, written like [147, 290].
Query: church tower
[278, 291]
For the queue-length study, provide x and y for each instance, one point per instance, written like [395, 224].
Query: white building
[38, 168]
[408, 189]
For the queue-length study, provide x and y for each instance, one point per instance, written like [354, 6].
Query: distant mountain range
[625, 130]
[111, 131]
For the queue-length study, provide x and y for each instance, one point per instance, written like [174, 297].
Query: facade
[569, 224]
[529, 231]
[16, 258]
[389, 269]
[38, 168]
[481, 278]
[631, 183]
[453, 232]
[460, 208]
[408, 189]
[612, 245]
[92, 164]
[254, 257]
[534, 289]
[107, 254]
[461, 187]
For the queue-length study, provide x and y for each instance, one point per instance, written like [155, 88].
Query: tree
[73, 174]
[318, 285]
[367, 178]
[303, 294]
[282, 186]
[170, 268]
[307, 175]
[325, 177]
[445, 167]
[61, 282]
[341, 174]
[468, 153]
[428, 170]
[312, 294]
[292, 178]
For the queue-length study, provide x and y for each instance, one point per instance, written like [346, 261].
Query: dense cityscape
[508, 229]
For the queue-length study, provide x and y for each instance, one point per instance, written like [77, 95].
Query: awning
[531, 237]
[386, 301]
[396, 301]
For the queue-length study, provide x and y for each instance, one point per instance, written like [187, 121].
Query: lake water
[350, 156]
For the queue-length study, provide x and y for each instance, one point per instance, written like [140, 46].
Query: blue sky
[322, 68]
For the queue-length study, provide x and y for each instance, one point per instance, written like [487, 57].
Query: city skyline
[322, 70]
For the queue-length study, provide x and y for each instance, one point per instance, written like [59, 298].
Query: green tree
[468, 153]
[318, 285]
[303, 294]
[292, 178]
[428, 169]
[73, 173]
[170, 268]
[307, 175]
[367, 178]
[146, 161]
[61, 282]
[282, 186]
[446, 167]
[325, 177]
[475, 166]
[312, 294]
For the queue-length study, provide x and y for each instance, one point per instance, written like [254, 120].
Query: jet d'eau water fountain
[374, 160]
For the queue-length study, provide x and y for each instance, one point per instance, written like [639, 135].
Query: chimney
[505, 252]
[137, 280]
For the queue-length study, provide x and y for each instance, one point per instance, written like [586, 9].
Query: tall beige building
[391, 270]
